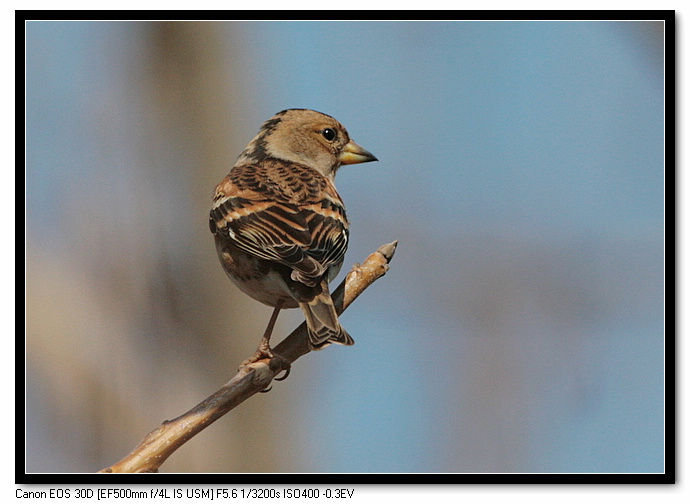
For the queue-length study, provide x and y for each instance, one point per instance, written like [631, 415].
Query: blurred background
[520, 328]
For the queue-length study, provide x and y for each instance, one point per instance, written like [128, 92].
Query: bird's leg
[264, 350]
[265, 346]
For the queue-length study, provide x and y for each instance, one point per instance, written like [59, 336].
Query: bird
[279, 224]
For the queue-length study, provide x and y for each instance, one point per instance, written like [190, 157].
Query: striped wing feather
[305, 231]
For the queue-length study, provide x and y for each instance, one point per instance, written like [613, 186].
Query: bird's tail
[322, 322]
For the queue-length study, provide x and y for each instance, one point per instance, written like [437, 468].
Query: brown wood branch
[159, 444]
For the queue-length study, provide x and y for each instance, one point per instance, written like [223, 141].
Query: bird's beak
[353, 153]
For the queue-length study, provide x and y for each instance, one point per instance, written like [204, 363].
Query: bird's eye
[329, 134]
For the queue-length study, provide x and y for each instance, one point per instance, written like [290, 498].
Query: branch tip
[388, 250]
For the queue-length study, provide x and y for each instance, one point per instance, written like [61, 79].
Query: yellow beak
[353, 153]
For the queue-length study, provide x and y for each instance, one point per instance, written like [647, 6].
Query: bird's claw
[287, 373]
[283, 368]
[275, 361]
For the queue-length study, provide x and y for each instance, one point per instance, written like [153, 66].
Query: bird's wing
[307, 232]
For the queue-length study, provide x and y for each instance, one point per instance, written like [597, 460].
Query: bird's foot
[263, 351]
[276, 362]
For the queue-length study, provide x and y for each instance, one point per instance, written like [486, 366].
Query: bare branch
[159, 444]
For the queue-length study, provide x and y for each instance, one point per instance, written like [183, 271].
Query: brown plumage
[279, 224]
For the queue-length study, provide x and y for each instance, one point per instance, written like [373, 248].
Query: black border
[268, 479]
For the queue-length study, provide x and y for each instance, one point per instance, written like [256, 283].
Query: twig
[159, 444]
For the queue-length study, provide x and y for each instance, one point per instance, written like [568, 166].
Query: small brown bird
[279, 224]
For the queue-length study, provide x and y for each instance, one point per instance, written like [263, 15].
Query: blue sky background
[521, 326]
